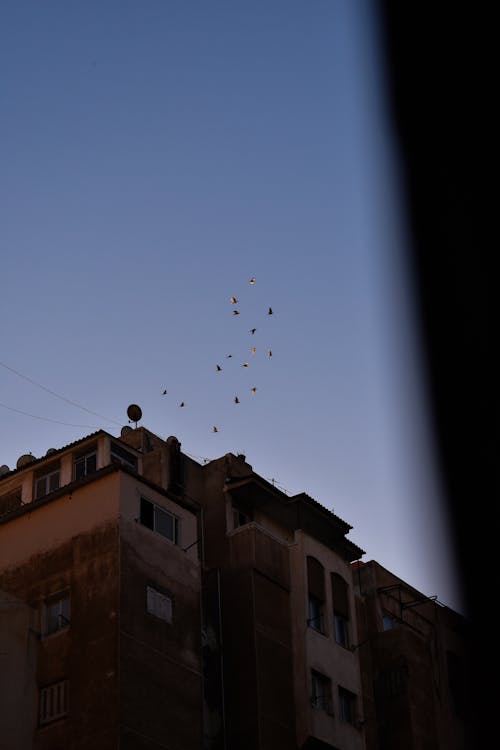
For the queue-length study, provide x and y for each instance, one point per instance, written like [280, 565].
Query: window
[321, 691]
[121, 456]
[315, 594]
[85, 465]
[57, 613]
[46, 483]
[347, 706]
[54, 701]
[240, 518]
[340, 595]
[158, 604]
[10, 501]
[388, 621]
[159, 520]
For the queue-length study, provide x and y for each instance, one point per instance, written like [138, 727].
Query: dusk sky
[156, 155]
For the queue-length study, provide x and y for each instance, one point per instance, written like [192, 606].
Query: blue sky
[155, 156]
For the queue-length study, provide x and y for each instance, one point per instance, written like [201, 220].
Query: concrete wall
[18, 658]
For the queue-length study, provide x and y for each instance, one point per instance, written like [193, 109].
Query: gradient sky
[155, 155]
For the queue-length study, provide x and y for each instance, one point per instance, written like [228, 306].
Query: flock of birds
[253, 350]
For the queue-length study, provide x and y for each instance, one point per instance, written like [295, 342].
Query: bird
[253, 389]
[269, 354]
[236, 400]
[214, 429]
[218, 368]
[270, 311]
[235, 312]
[253, 350]
[228, 356]
[252, 280]
[233, 300]
[164, 392]
[245, 364]
[252, 330]
[182, 403]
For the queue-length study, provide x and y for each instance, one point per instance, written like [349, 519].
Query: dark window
[160, 520]
[315, 594]
[388, 621]
[10, 501]
[392, 682]
[158, 604]
[46, 484]
[54, 701]
[321, 691]
[240, 518]
[340, 595]
[57, 613]
[85, 465]
[121, 456]
[347, 706]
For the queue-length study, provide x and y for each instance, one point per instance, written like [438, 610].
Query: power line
[46, 419]
[57, 395]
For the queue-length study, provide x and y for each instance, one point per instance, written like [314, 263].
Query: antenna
[134, 413]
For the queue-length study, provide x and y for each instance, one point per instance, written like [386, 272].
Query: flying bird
[236, 400]
[270, 311]
[218, 368]
[235, 312]
[253, 389]
[269, 354]
[164, 392]
[253, 350]
[228, 356]
[233, 300]
[252, 280]
[252, 330]
[214, 429]
[182, 403]
[245, 364]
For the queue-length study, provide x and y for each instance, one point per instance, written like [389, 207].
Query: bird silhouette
[252, 280]
[233, 300]
[245, 364]
[214, 429]
[253, 389]
[182, 403]
[252, 330]
[235, 312]
[218, 368]
[236, 400]
[253, 350]
[270, 311]
[164, 392]
[228, 356]
[269, 354]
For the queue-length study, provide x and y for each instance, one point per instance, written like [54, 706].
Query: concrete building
[156, 602]
[414, 659]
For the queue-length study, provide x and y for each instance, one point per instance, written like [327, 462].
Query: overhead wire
[57, 395]
[46, 419]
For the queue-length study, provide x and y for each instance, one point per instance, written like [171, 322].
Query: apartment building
[150, 601]
[414, 656]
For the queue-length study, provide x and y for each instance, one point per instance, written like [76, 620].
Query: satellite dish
[24, 460]
[125, 430]
[4, 469]
[50, 451]
[134, 413]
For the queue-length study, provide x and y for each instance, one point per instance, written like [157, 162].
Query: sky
[156, 156]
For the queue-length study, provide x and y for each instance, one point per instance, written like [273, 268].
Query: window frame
[321, 692]
[47, 479]
[91, 453]
[158, 595]
[60, 690]
[159, 510]
[63, 599]
[347, 706]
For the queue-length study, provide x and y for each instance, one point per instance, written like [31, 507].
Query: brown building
[414, 661]
[149, 601]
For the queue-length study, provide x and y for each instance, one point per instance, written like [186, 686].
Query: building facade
[150, 601]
